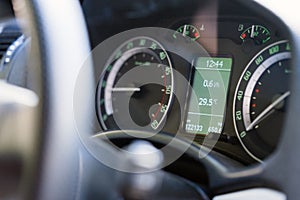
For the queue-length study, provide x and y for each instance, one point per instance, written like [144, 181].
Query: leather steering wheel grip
[59, 47]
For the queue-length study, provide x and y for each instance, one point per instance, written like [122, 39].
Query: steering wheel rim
[55, 131]
[58, 54]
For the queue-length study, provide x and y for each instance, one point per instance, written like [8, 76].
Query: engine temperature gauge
[187, 31]
[259, 34]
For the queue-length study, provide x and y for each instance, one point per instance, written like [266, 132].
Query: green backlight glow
[207, 104]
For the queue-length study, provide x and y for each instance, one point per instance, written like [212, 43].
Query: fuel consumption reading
[208, 100]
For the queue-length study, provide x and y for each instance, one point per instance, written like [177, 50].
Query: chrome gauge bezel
[244, 113]
[118, 62]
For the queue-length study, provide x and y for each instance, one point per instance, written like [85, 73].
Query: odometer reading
[210, 84]
[260, 100]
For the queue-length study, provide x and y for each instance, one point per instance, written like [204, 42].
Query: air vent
[8, 36]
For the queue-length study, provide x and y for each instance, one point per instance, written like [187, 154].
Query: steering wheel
[38, 131]
[45, 149]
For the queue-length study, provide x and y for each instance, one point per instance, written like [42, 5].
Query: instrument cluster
[224, 76]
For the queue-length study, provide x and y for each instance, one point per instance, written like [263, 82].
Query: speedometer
[139, 71]
[260, 100]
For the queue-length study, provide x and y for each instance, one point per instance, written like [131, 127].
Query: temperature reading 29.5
[207, 102]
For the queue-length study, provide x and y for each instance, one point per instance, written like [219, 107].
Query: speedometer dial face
[260, 100]
[139, 70]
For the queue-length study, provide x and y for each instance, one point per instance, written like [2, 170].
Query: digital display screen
[207, 101]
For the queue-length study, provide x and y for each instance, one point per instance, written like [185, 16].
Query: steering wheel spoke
[18, 108]
[17, 112]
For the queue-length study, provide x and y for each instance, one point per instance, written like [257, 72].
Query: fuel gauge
[259, 34]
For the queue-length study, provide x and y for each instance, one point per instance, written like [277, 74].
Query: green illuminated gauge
[187, 31]
[139, 70]
[260, 100]
[257, 33]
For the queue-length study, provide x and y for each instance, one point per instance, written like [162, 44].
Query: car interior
[173, 99]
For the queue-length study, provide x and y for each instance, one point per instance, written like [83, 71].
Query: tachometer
[260, 100]
[149, 86]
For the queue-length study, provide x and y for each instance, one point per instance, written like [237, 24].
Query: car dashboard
[204, 70]
[205, 83]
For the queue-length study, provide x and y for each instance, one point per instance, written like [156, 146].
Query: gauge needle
[184, 30]
[252, 32]
[262, 115]
[126, 89]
